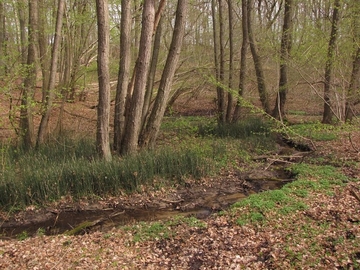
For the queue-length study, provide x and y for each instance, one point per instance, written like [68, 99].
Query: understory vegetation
[68, 166]
[310, 222]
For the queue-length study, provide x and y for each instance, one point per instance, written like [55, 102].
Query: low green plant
[288, 199]
[148, 231]
[318, 131]
[22, 236]
[40, 232]
[144, 231]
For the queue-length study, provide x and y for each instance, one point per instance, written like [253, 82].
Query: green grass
[37, 177]
[144, 231]
[320, 132]
[70, 166]
[288, 199]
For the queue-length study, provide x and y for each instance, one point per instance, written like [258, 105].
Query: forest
[180, 134]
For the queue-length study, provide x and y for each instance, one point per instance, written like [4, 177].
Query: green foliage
[289, 199]
[22, 236]
[148, 231]
[144, 231]
[72, 168]
[318, 131]
[252, 126]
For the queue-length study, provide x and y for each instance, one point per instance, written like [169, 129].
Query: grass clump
[249, 127]
[67, 168]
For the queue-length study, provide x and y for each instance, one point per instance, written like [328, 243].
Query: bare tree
[26, 113]
[153, 125]
[244, 49]
[286, 39]
[260, 77]
[123, 76]
[327, 113]
[219, 60]
[353, 95]
[50, 88]
[230, 102]
[133, 115]
[103, 111]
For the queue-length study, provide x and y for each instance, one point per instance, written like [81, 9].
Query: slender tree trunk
[50, 92]
[257, 64]
[152, 72]
[26, 114]
[244, 49]
[353, 95]
[133, 116]
[103, 111]
[327, 114]
[123, 76]
[21, 4]
[157, 113]
[286, 39]
[218, 62]
[43, 48]
[2, 39]
[230, 102]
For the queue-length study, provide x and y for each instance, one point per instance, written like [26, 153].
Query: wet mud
[192, 200]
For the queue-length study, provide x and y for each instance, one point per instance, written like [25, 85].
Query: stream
[197, 200]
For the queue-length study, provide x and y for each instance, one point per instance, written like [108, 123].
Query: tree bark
[353, 95]
[244, 49]
[286, 40]
[257, 64]
[133, 115]
[2, 40]
[21, 4]
[230, 102]
[123, 76]
[327, 113]
[26, 114]
[103, 110]
[152, 72]
[157, 112]
[50, 88]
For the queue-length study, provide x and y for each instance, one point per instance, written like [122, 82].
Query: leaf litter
[326, 235]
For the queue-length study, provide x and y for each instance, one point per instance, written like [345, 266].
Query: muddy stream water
[192, 200]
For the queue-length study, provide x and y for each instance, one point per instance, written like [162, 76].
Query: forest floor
[325, 235]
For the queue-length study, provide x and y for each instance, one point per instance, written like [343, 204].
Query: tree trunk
[123, 76]
[244, 49]
[21, 4]
[230, 102]
[153, 125]
[2, 40]
[257, 64]
[50, 89]
[43, 49]
[152, 72]
[353, 95]
[286, 39]
[103, 110]
[327, 114]
[133, 116]
[26, 114]
[218, 61]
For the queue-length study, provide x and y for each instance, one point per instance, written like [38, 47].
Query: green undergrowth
[36, 176]
[70, 166]
[320, 132]
[258, 208]
[144, 231]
